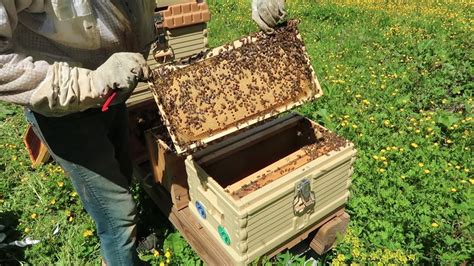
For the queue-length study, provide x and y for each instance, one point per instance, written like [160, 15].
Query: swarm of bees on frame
[234, 84]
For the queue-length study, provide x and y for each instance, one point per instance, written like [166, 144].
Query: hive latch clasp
[304, 199]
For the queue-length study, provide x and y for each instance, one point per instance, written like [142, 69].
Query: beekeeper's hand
[70, 89]
[121, 72]
[267, 13]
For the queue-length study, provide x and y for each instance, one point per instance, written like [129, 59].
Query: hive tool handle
[109, 100]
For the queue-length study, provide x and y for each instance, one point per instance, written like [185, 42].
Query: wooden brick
[327, 234]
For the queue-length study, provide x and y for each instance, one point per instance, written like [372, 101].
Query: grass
[398, 82]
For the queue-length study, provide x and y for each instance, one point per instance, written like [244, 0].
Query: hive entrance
[258, 162]
[250, 79]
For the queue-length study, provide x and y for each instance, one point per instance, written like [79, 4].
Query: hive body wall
[263, 220]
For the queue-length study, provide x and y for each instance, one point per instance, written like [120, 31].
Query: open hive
[234, 86]
[257, 190]
[254, 183]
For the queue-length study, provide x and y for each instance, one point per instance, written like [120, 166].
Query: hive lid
[234, 86]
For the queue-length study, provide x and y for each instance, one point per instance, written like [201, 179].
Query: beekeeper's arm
[267, 13]
[58, 89]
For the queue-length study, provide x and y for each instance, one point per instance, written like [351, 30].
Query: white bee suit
[52, 52]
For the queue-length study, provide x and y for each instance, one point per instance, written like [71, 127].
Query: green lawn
[398, 83]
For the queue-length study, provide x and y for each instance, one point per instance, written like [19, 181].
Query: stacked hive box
[185, 28]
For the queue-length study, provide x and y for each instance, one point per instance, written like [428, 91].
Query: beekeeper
[62, 59]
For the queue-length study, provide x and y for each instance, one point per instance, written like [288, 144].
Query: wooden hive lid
[234, 86]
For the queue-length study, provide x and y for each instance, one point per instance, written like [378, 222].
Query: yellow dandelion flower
[354, 126]
[162, 263]
[375, 157]
[449, 141]
[421, 164]
[427, 171]
[383, 158]
[87, 233]
[471, 181]
[156, 253]
[414, 145]
[52, 202]
[434, 225]
[403, 177]
[60, 184]
[168, 254]
[27, 230]
[34, 216]
[386, 122]
[168, 261]
[70, 219]
[341, 257]
[453, 190]
[381, 170]
[466, 170]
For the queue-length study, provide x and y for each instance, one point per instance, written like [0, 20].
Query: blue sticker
[201, 210]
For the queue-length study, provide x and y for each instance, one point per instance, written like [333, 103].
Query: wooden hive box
[255, 181]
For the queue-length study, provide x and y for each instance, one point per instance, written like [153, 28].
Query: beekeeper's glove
[267, 13]
[68, 89]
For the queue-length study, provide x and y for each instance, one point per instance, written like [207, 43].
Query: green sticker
[224, 235]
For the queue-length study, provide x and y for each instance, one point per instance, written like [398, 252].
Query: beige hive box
[255, 181]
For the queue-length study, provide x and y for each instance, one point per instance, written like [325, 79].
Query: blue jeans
[93, 149]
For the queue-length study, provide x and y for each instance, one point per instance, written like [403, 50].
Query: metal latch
[304, 199]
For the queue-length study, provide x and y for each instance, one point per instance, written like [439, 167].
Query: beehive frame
[314, 92]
